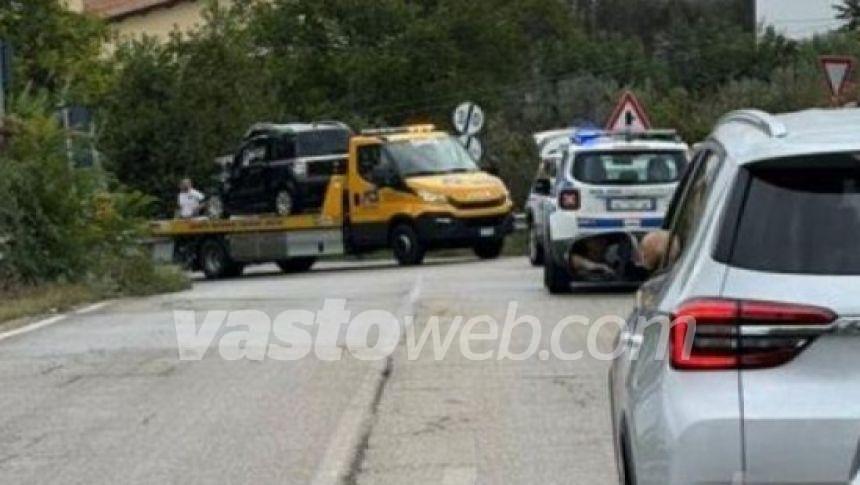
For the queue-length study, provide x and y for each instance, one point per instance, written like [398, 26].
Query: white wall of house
[798, 19]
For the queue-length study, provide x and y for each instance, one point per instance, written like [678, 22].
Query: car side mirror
[383, 176]
[542, 187]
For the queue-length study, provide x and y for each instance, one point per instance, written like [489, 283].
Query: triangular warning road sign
[838, 70]
[628, 115]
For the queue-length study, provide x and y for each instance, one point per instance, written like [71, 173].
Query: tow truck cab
[410, 189]
[415, 188]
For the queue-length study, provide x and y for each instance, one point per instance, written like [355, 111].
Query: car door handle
[632, 340]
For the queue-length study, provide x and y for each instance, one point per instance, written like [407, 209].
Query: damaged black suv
[281, 168]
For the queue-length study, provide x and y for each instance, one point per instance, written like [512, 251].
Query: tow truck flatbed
[239, 225]
[380, 201]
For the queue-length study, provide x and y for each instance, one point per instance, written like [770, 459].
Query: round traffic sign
[468, 118]
[473, 146]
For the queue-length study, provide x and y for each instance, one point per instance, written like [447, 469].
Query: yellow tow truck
[410, 189]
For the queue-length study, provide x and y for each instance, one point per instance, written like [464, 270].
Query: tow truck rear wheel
[408, 250]
[489, 249]
[296, 265]
[216, 262]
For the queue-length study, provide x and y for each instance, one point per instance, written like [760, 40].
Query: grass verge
[20, 302]
[42, 299]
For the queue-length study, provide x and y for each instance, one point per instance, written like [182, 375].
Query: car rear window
[629, 167]
[319, 143]
[801, 215]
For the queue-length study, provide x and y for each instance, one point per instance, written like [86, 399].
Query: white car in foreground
[757, 379]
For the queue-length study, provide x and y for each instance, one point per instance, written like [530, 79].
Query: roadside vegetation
[164, 109]
[69, 234]
[533, 64]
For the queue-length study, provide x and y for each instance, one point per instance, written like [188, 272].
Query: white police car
[607, 183]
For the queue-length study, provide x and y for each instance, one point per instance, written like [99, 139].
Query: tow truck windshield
[433, 156]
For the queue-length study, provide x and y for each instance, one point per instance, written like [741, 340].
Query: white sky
[798, 18]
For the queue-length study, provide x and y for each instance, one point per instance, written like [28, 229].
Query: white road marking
[92, 308]
[358, 417]
[52, 320]
[353, 424]
[32, 327]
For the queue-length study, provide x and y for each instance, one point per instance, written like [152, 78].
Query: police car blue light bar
[589, 136]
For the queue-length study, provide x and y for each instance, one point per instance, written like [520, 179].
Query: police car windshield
[629, 167]
[430, 156]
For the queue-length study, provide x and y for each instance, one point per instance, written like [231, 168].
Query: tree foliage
[171, 107]
[56, 51]
[849, 11]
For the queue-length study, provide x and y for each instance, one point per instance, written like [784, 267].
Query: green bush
[63, 224]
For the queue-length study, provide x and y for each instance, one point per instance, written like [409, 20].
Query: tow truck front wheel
[215, 261]
[489, 249]
[408, 250]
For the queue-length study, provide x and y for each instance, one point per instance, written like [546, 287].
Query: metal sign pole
[4, 63]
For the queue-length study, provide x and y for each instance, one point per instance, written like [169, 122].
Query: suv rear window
[801, 215]
[319, 143]
[629, 167]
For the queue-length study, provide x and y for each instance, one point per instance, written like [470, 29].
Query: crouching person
[608, 257]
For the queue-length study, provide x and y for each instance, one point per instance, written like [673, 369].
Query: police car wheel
[555, 278]
[534, 247]
[408, 250]
[489, 249]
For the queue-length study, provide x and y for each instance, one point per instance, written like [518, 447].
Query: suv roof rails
[398, 129]
[765, 122]
[264, 126]
[339, 124]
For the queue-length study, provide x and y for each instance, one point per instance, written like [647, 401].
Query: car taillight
[715, 334]
[568, 199]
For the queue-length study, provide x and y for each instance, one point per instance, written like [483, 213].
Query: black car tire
[407, 247]
[555, 278]
[296, 265]
[535, 248]
[284, 202]
[215, 207]
[216, 262]
[489, 249]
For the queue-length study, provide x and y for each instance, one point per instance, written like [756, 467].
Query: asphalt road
[102, 397]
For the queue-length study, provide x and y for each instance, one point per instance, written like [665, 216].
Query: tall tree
[55, 50]
[849, 12]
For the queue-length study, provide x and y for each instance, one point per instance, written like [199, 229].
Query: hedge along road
[103, 397]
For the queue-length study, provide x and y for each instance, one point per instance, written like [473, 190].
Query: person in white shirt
[190, 200]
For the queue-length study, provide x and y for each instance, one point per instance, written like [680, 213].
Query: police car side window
[551, 169]
[687, 214]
